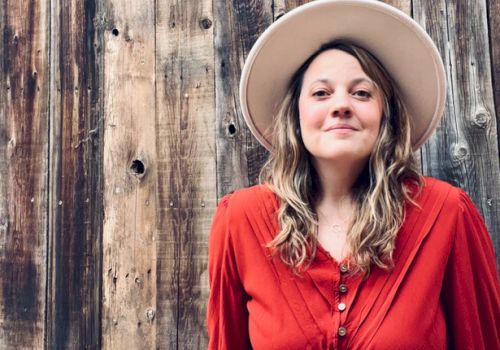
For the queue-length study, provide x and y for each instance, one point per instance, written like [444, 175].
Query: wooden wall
[120, 130]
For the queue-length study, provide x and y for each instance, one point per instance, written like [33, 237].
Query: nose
[340, 106]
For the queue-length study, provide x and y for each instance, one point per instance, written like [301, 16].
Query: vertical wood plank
[464, 151]
[239, 155]
[75, 178]
[130, 176]
[494, 36]
[24, 100]
[186, 166]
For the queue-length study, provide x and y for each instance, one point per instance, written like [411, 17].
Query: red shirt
[442, 293]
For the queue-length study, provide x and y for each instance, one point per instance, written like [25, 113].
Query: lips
[341, 127]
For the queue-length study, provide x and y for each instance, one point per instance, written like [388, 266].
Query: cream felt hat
[395, 39]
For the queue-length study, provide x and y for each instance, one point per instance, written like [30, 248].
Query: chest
[333, 241]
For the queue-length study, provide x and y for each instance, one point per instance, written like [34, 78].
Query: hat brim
[399, 43]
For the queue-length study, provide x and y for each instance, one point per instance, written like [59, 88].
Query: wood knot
[481, 119]
[459, 151]
[137, 168]
[205, 23]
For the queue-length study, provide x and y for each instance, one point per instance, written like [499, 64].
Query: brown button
[342, 331]
[341, 306]
[343, 268]
[343, 288]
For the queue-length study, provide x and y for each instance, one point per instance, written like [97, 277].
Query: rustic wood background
[119, 131]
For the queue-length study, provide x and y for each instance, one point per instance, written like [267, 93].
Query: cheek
[310, 115]
[372, 117]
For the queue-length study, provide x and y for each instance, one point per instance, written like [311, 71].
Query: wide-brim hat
[395, 39]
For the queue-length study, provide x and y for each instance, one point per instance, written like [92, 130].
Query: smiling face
[340, 108]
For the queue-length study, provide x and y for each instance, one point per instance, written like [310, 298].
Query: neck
[337, 180]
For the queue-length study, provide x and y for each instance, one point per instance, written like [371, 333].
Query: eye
[320, 93]
[362, 93]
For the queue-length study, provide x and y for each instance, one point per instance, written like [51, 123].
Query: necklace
[336, 228]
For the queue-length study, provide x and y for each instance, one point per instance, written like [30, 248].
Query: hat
[395, 39]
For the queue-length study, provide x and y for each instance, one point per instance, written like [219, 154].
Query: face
[340, 108]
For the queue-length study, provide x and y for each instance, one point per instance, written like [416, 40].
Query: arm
[227, 315]
[471, 292]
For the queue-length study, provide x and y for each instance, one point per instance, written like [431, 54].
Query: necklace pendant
[336, 228]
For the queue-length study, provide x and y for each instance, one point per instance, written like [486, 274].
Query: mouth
[341, 128]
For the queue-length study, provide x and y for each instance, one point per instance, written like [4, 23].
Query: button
[342, 288]
[341, 307]
[343, 268]
[342, 331]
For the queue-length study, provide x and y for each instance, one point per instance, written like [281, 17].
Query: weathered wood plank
[464, 150]
[186, 165]
[24, 102]
[130, 176]
[75, 180]
[239, 155]
[494, 36]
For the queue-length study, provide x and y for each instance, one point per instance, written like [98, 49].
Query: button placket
[342, 288]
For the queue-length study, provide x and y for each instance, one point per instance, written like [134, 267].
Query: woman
[345, 245]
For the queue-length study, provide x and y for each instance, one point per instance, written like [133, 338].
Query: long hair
[379, 193]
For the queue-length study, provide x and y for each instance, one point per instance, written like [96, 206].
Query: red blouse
[443, 292]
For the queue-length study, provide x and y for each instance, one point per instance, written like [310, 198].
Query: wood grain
[75, 178]
[185, 127]
[24, 103]
[239, 155]
[494, 42]
[464, 149]
[130, 177]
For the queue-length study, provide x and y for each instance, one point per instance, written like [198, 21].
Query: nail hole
[232, 129]
[115, 32]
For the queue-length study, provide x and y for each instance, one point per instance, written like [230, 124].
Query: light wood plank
[130, 177]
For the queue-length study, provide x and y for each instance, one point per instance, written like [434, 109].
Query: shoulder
[439, 201]
[248, 198]
[435, 185]
[452, 195]
[449, 200]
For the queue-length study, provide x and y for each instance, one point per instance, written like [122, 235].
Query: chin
[342, 155]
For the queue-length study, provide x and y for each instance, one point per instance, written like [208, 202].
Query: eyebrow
[353, 81]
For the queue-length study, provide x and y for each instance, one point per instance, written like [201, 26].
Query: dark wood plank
[24, 103]
[75, 177]
[239, 155]
[464, 150]
[186, 166]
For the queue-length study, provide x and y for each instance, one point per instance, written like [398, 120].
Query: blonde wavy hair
[379, 193]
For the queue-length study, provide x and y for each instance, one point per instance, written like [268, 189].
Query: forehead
[334, 63]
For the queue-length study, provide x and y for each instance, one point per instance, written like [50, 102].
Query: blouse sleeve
[471, 292]
[227, 315]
